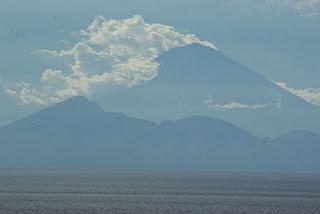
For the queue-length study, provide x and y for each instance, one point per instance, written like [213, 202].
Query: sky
[44, 44]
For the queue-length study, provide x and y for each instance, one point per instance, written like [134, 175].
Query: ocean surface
[52, 191]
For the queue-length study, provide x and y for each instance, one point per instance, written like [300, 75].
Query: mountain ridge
[78, 133]
[197, 80]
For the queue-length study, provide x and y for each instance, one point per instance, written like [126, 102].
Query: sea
[165, 192]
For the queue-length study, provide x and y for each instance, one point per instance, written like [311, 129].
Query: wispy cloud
[304, 7]
[210, 103]
[311, 95]
[308, 7]
[120, 52]
[26, 93]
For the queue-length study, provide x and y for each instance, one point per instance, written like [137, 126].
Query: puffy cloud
[311, 95]
[210, 103]
[113, 51]
[131, 36]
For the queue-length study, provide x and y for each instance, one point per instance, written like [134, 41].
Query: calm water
[157, 192]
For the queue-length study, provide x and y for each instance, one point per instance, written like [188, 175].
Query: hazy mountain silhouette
[299, 137]
[77, 133]
[72, 121]
[191, 75]
[299, 148]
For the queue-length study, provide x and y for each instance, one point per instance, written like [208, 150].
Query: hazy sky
[277, 38]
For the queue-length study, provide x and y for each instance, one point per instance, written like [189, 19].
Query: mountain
[73, 132]
[199, 80]
[77, 133]
[299, 137]
[69, 119]
[298, 148]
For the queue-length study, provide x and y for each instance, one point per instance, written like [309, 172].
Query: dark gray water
[157, 192]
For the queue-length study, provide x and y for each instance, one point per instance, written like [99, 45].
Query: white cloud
[26, 93]
[311, 95]
[121, 52]
[210, 103]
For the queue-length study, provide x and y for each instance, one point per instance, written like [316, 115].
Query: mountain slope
[70, 119]
[198, 80]
[299, 137]
[298, 148]
[77, 133]
[205, 143]
[74, 132]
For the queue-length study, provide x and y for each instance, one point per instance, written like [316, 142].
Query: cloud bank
[311, 95]
[109, 51]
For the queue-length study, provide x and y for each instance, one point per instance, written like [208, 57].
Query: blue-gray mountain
[198, 80]
[77, 133]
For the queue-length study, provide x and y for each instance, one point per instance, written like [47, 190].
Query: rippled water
[157, 192]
